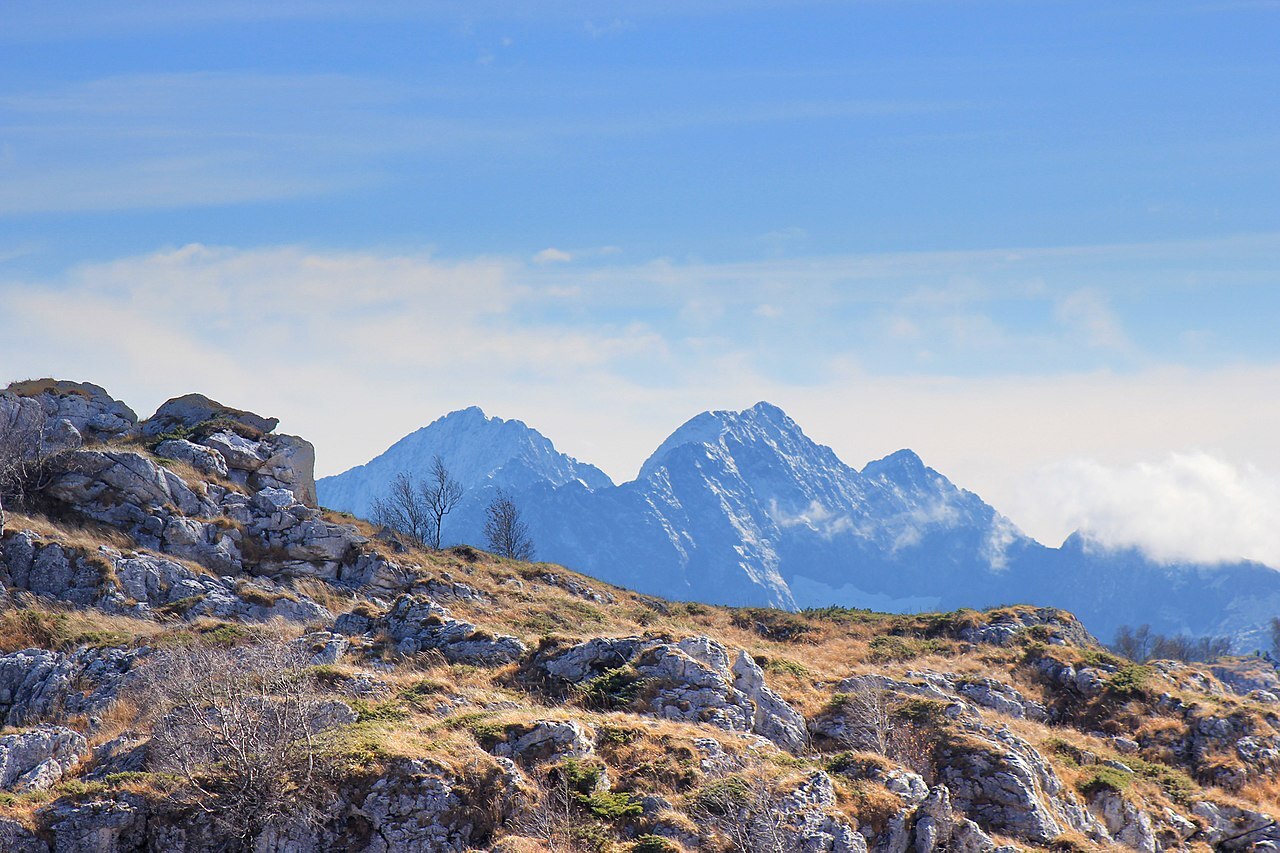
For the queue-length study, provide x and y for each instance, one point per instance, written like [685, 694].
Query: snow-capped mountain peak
[477, 450]
[741, 507]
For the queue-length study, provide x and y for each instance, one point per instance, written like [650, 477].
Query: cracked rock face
[809, 822]
[140, 584]
[127, 491]
[415, 807]
[37, 759]
[206, 460]
[694, 680]
[36, 684]
[418, 624]
[1004, 784]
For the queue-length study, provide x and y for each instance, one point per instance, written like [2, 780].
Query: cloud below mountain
[1195, 506]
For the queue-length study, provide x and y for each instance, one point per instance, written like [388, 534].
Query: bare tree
[1141, 645]
[442, 494]
[402, 509]
[743, 808]
[507, 535]
[874, 722]
[32, 454]
[241, 727]
[417, 508]
[1134, 643]
[551, 816]
[869, 722]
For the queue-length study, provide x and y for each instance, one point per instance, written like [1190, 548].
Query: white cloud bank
[1194, 506]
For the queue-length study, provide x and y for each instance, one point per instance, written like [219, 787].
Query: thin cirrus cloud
[209, 138]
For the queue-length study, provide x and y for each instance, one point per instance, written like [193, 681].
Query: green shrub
[777, 625]
[652, 844]
[581, 776]
[612, 689]
[1129, 680]
[612, 807]
[1180, 787]
[1099, 657]
[1105, 779]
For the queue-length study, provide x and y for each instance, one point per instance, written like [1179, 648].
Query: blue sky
[1038, 242]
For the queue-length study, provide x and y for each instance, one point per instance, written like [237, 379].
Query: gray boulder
[87, 408]
[1125, 822]
[692, 681]
[546, 740]
[1229, 827]
[37, 759]
[418, 624]
[192, 410]
[206, 460]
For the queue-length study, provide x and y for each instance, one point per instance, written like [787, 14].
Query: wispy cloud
[356, 349]
[207, 138]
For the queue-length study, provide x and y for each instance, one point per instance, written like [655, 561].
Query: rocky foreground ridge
[195, 657]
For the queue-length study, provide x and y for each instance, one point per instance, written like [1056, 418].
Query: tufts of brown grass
[48, 625]
[81, 535]
[328, 596]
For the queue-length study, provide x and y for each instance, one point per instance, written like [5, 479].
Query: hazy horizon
[1036, 243]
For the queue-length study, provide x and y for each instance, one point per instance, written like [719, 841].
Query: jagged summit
[478, 449]
[742, 507]
[763, 423]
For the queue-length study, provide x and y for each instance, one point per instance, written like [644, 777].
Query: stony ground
[193, 657]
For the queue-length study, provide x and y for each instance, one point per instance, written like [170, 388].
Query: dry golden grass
[58, 387]
[36, 623]
[85, 536]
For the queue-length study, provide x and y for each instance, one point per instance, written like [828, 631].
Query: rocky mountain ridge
[742, 508]
[192, 658]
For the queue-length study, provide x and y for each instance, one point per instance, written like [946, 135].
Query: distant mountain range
[743, 508]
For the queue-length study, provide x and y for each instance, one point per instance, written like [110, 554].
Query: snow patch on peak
[899, 465]
[763, 422]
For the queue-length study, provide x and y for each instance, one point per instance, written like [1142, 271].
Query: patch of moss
[785, 666]
[722, 797]
[378, 712]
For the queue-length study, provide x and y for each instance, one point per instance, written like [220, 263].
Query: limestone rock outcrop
[37, 759]
[693, 680]
[38, 684]
[39, 404]
[418, 624]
